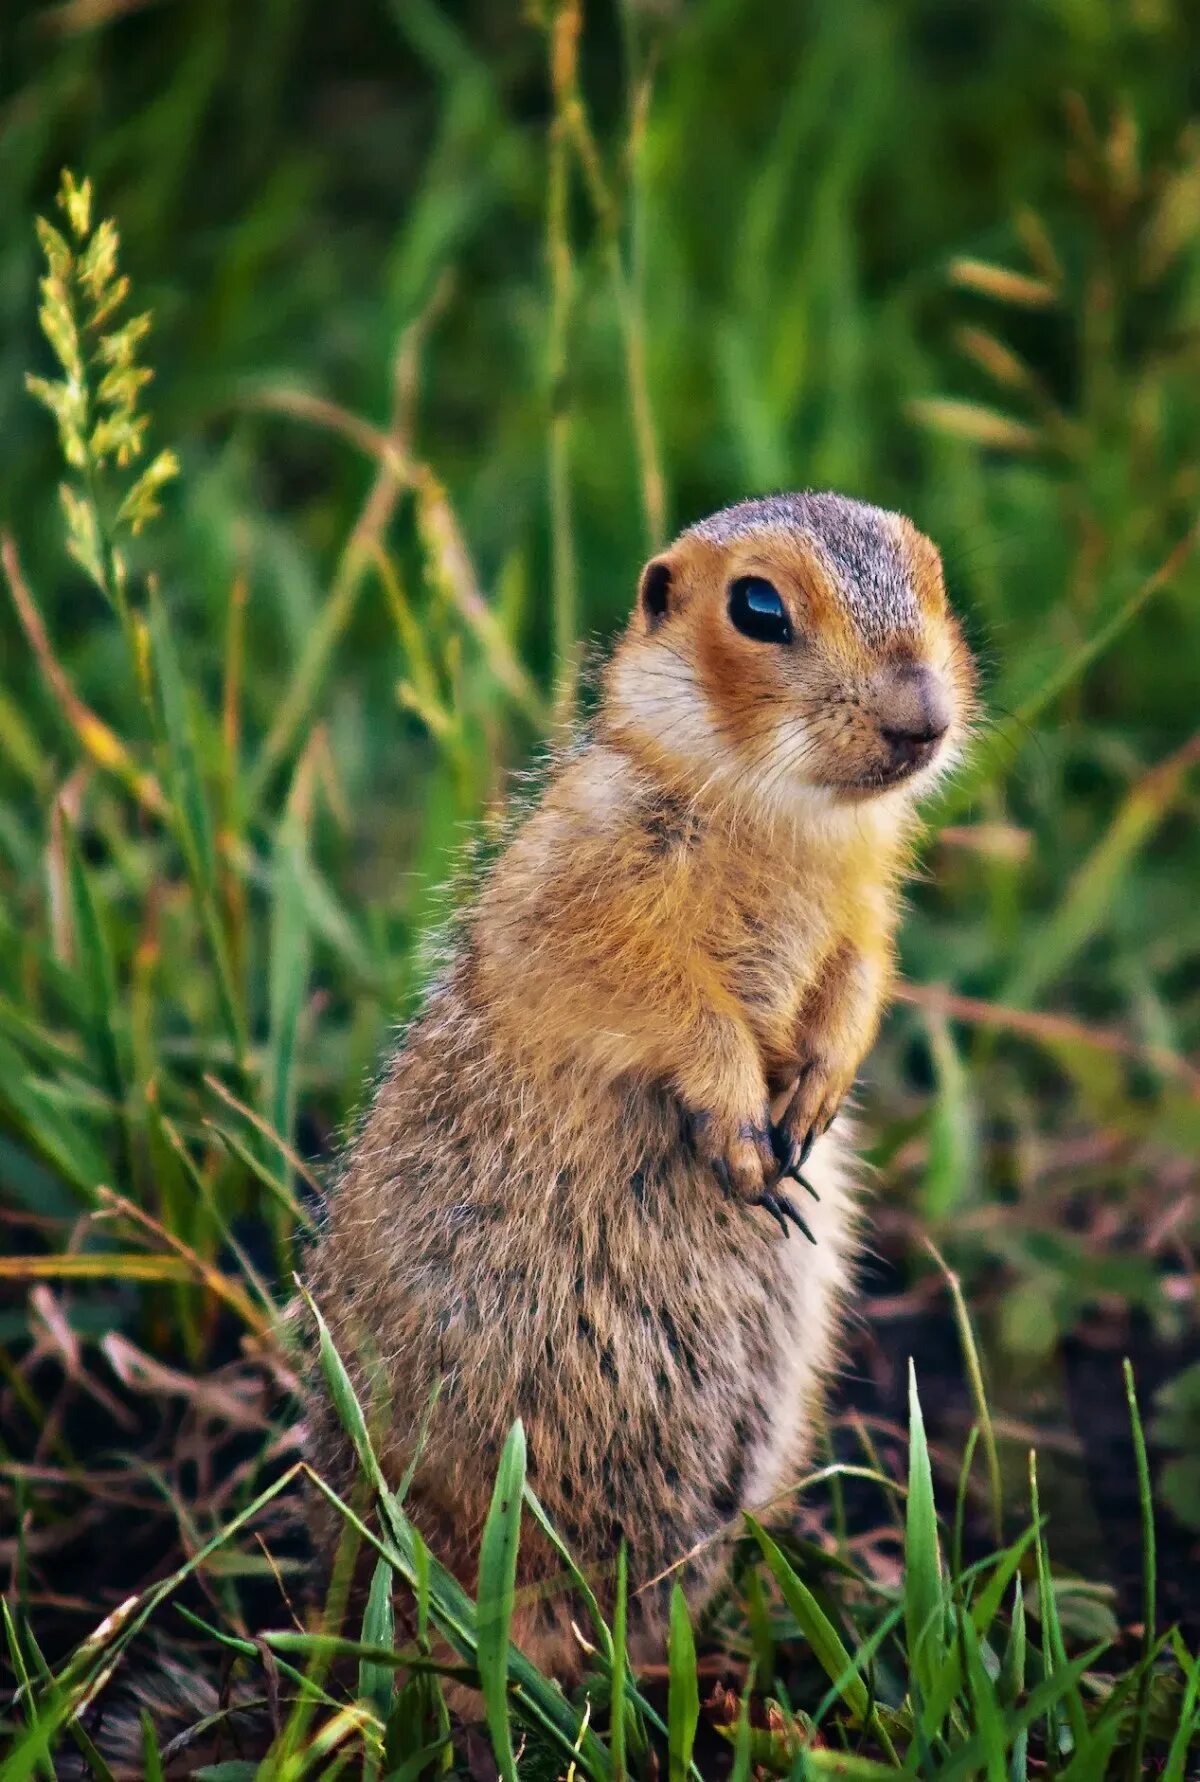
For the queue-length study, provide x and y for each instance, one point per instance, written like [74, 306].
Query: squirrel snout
[915, 714]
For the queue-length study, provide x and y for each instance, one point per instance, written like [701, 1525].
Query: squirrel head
[794, 651]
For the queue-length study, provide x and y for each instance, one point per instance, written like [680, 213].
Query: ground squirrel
[579, 1194]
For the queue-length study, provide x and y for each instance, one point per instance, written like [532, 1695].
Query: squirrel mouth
[885, 777]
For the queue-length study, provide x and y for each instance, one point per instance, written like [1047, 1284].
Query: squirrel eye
[757, 610]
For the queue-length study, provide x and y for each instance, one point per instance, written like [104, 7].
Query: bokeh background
[459, 309]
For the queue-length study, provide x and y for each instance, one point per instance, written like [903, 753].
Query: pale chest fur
[774, 921]
[614, 887]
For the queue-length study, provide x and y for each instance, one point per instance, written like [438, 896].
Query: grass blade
[960, 1503]
[61, 1141]
[923, 1596]
[828, 1647]
[539, 1704]
[974, 1367]
[1188, 1726]
[844, 1672]
[1052, 1640]
[497, 1584]
[620, 1659]
[376, 1681]
[190, 814]
[289, 960]
[95, 962]
[981, 1698]
[683, 1689]
[25, 1689]
[1011, 1684]
[415, 1766]
[151, 1756]
[987, 1604]
[951, 1159]
[742, 1746]
[1042, 1704]
[578, 1578]
[1149, 1575]
[818, 1762]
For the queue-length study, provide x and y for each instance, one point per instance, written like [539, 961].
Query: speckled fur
[856, 543]
[694, 924]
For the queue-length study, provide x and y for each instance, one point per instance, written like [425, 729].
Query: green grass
[929, 1677]
[454, 317]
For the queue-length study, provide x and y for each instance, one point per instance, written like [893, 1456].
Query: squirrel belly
[664, 1350]
[579, 1194]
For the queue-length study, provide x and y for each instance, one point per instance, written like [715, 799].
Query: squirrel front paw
[743, 1157]
[738, 1152]
[819, 1093]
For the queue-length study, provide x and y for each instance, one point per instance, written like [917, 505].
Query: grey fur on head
[858, 544]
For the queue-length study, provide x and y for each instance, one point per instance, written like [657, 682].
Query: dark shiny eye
[758, 612]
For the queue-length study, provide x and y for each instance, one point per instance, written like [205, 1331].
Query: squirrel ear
[654, 591]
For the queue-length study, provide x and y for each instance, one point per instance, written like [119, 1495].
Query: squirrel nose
[916, 716]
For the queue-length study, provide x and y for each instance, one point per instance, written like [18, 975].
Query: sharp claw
[724, 1180]
[793, 1170]
[809, 1140]
[787, 1151]
[788, 1206]
[772, 1205]
[782, 1208]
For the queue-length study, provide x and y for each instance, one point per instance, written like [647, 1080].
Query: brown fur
[551, 1204]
